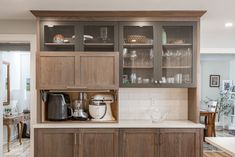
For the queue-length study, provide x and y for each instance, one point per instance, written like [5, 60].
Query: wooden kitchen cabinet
[97, 70]
[54, 143]
[180, 143]
[98, 143]
[111, 142]
[78, 70]
[158, 54]
[56, 70]
[139, 143]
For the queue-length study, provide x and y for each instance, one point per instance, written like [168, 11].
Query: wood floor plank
[215, 154]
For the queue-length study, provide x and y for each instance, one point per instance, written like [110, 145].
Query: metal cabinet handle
[80, 139]
[75, 139]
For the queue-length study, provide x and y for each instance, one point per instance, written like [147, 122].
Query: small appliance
[79, 112]
[100, 107]
[58, 107]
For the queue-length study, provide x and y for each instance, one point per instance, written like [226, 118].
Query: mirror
[6, 83]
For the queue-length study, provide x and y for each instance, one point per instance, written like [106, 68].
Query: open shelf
[98, 44]
[183, 44]
[78, 121]
[142, 45]
[176, 67]
[137, 67]
[59, 44]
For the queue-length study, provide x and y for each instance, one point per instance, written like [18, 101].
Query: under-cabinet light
[50, 26]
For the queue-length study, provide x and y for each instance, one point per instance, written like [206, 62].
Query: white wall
[19, 71]
[214, 64]
[1, 109]
[17, 27]
[232, 70]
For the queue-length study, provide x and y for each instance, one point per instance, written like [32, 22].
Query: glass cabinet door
[177, 55]
[137, 55]
[99, 37]
[58, 37]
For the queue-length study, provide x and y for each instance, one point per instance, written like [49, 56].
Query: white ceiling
[213, 33]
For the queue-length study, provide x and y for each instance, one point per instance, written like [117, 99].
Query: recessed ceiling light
[228, 24]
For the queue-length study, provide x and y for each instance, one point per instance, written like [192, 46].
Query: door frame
[29, 38]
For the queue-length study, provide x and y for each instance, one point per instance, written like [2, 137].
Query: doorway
[217, 96]
[16, 98]
[22, 38]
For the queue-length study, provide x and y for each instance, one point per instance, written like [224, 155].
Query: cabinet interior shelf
[144, 85]
[98, 44]
[59, 44]
[79, 121]
[137, 67]
[176, 67]
[137, 45]
[174, 45]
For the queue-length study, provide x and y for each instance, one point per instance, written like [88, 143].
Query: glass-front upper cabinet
[177, 55]
[100, 36]
[137, 52]
[58, 36]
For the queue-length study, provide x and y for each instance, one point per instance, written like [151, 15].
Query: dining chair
[213, 109]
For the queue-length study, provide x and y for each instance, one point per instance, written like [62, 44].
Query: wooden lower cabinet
[180, 143]
[138, 143]
[98, 143]
[54, 143]
[118, 142]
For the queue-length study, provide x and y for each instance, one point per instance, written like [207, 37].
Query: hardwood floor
[23, 150]
[17, 150]
[215, 154]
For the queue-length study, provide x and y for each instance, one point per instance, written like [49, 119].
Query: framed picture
[214, 80]
[227, 85]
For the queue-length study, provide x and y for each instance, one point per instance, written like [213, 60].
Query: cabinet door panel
[139, 143]
[54, 143]
[169, 145]
[188, 145]
[179, 54]
[57, 72]
[98, 70]
[99, 143]
[180, 143]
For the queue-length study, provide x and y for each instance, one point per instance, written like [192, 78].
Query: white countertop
[122, 124]
[227, 144]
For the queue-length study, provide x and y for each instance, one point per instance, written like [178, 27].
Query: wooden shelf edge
[186, 44]
[59, 44]
[176, 67]
[120, 13]
[98, 44]
[138, 67]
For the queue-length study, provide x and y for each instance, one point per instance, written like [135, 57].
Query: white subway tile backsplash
[135, 103]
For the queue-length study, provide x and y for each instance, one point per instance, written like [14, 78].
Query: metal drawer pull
[75, 139]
